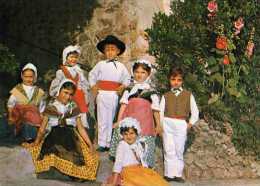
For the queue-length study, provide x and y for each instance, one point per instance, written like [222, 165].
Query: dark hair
[69, 85]
[126, 129]
[144, 66]
[176, 71]
[72, 52]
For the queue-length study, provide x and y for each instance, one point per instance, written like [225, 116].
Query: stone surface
[212, 155]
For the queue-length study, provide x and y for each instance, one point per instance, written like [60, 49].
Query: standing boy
[108, 79]
[176, 107]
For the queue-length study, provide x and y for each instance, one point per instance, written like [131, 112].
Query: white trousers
[174, 138]
[107, 102]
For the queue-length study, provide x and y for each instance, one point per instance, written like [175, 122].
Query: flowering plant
[217, 44]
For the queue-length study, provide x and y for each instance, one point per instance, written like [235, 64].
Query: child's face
[111, 51]
[65, 95]
[140, 74]
[176, 81]
[130, 136]
[28, 77]
[72, 59]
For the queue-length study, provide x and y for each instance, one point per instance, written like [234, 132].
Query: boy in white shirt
[108, 79]
[176, 106]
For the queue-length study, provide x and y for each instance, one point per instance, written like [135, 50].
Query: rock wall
[213, 155]
[125, 19]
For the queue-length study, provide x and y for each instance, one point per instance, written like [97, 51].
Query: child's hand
[159, 130]
[28, 145]
[116, 124]
[94, 91]
[120, 90]
[189, 126]
[10, 120]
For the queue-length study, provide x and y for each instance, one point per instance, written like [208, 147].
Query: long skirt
[148, 140]
[65, 150]
[136, 175]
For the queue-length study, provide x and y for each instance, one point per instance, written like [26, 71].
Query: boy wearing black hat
[108, 79]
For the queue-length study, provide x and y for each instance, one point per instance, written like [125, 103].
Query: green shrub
[220, 71]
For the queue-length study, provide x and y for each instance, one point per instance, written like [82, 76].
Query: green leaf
[232, 58]
[218, 77]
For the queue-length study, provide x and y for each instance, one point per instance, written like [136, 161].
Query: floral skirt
[148, 140]
[65, 150]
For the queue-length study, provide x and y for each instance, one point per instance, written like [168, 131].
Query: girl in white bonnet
[130, 167]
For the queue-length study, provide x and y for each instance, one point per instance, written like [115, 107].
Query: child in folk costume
[130, 167]
[71, 70]
[176, 106]
[107, 80]
[66, 147]
[141, 102]
[26, 103]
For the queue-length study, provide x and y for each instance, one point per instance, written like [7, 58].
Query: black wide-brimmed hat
[110, 39]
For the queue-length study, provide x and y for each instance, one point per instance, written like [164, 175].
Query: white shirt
[109, 71]
[63, 109]
[193, 107]
[124, 157]
[154, 97]
[29, 90]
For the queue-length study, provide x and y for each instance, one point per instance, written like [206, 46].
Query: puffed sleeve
[56, 83]
[120, 153]
[125, 76]
[124, 98]
[93, 74]
[155, 102]
[11, 101]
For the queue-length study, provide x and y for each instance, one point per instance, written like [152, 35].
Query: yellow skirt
[137, 175]
[87, 171]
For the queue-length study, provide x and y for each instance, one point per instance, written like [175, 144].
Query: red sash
[79, 96]
[108, 85]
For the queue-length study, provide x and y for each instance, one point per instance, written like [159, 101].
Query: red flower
[212, 6]
[226, 60]
[221, 43]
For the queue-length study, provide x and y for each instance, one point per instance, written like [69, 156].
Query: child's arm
[156, 113]
[10, 105]
[120, 114]
[40, 133]
[115, 178]
[56, 83]
[84, 134]
[158, 128]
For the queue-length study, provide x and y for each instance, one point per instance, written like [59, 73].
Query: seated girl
[130, 168]
[66, 147]
[25, 104]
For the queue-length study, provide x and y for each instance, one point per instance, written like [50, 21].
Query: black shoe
[179, 179]
[111, 158]
[101, 149]
[107, 148]
[29, 140]
[168, 178]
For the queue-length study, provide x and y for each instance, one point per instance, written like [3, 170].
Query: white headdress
[67, 50]
[31, 67]
[130, 122]
[61, 84]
